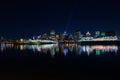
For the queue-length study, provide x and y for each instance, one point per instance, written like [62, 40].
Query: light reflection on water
[64, 48]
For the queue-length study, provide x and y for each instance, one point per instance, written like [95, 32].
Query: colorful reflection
[64, 49]
[98, 49]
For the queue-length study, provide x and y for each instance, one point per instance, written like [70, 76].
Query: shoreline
[81, 43]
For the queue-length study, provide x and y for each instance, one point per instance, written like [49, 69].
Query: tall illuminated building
[60, 36]
[39, 37]
[52, 35]
[78, 35]
[71, 37]
[57, 36]
[97, 34]
[65, 36]
[44, 36]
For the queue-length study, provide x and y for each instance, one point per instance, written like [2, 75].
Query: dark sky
[25, 18]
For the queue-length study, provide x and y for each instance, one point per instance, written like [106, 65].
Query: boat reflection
[64, 48]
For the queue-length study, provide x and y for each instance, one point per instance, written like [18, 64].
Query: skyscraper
[44, 36]
[60, 36]
[78, 35]
[52, 35]
[97, 34]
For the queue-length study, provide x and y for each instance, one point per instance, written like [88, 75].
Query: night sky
[27, 18]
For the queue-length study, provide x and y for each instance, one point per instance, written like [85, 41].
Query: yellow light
[21, 40]
[98, 47]
[12, 45]
[66, 45]
[21, 47]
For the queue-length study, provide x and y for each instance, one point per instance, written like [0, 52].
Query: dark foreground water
[63, 61]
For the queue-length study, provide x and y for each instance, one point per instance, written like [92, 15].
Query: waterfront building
[110, 33]
[65, 35]
[39, 37]
[57, 36]
[88, 37]
[97, 34]
[88, 34]
[71, 37]
[102, 34]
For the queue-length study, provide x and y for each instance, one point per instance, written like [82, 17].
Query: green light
[103, 34]
[98, 52]
[103, 51]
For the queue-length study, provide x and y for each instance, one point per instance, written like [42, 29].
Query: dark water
[61, 61]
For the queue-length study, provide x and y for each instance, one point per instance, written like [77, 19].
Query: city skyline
[59, 39]
[53, 33]
[26, 18]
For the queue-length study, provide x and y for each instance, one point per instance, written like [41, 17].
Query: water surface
[61, 59]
